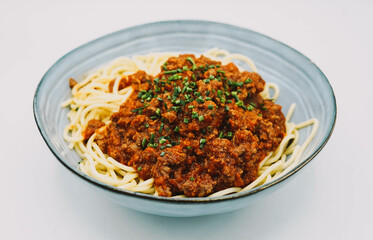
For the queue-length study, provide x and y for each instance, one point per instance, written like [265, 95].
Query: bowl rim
[200, 200]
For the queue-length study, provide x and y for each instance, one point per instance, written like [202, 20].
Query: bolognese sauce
[198, 127]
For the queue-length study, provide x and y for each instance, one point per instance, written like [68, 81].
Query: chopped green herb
[143, 143]
[171, 71]
[152, 138]
[153, 145]
[249, 80]
[200, 99]
[191, 178]
[190, 107]
[194, 115]
[221, 135]
[175, 77]
[226, 108]
[139, 169]
[177, 91]
[210, 107]
[219, 93]
[189, 90]
[186, 120]
[161, 128]
[192, 62]
[162, 154]
[189, 147]
[175, 108]
[177, 129]
[234, 94]
[239, 103]
[201, 118]
[137, 109]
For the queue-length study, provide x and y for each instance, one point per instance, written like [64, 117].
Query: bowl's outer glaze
[300, 81]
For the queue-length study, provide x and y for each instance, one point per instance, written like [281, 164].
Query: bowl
[299, 79]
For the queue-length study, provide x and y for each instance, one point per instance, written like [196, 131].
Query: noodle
[92, 100]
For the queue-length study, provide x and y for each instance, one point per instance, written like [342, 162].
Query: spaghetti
[92, 99]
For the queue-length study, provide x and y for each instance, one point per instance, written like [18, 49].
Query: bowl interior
[300, 81]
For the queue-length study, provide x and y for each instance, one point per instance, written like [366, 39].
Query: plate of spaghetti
[185, 118]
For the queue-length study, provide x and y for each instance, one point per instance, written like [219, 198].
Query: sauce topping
[198, 127]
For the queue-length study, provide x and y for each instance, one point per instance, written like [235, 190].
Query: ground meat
[196, 128]
[91, 127]
[72, 82]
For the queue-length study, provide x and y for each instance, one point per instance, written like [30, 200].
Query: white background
[332, 198]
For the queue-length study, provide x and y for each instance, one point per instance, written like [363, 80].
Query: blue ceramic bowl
[300, 81]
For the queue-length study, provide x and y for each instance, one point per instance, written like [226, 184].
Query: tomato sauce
[196, 128]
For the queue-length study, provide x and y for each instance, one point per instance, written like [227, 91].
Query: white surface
[331, 198]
